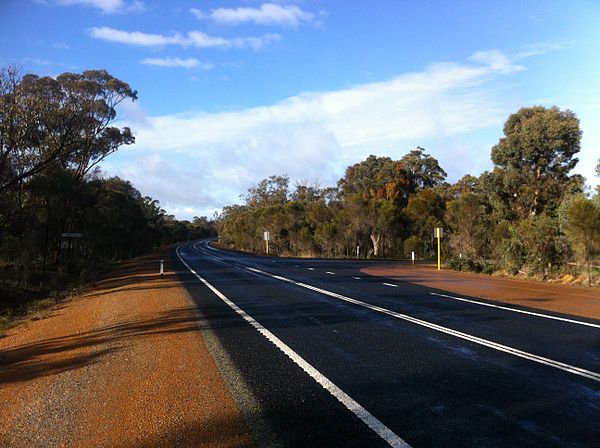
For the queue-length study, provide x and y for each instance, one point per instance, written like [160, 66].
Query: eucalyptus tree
[64, 120]
[533, 162]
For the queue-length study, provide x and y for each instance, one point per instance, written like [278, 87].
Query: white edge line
[365, 416]
[477, 340]
[515, 310]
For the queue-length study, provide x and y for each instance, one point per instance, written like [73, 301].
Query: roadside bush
[469, 264]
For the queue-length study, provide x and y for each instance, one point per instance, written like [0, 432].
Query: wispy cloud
[544, 47]
[106, 6]
[267, 14]
[317, 135]
[177, 62]
[36, 61]
[195, 39]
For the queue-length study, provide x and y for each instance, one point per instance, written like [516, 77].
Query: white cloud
[106, 6]
[268, 13]
[195, 39]
[177, 62]
[214, 157]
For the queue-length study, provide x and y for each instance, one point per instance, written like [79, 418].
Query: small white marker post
[412, 255]
[357, 251]
[162, 268]
[267, 237]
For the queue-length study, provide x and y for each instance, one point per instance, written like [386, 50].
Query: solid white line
[391, 284]
[532, 313]
[369, 419]
[330, 273]
[477, 340]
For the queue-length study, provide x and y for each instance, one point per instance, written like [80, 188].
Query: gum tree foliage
[507, 218]
[63, 120]
[467, 219]
[533, 161]
[53, 133]
[422, 171]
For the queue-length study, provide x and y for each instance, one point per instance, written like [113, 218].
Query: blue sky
[231, 92]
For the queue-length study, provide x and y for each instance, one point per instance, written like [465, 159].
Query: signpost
[267, 237]
[71, 246]
[438, 233]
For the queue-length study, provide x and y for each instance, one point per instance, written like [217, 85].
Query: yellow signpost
[438, 232]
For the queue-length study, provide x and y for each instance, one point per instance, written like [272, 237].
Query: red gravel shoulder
[122, 366]
[567, 299]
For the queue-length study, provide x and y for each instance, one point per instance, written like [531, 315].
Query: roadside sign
[267, 236]
[438, 232]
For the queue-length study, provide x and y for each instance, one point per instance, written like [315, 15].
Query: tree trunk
[375, 239]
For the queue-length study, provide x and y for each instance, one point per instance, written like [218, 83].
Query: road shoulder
[122, 366]
[564, 299]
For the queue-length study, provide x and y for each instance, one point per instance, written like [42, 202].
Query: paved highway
[319, 354]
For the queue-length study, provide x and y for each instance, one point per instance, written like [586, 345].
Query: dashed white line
[329, 272]
[531, 313]
[475, 339]
[311, 269]
[356, 278]
[391, 284]
[365, 416]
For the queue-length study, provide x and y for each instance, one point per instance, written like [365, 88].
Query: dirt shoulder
[567, 299]
[122, 366]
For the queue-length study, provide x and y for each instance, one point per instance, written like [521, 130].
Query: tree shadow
[55, 355]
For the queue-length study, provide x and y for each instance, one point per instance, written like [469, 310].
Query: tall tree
[422, 171]
[271, 191]
[533, 161]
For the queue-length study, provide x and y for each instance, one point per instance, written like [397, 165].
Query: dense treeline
[57, 213]
[528, 214]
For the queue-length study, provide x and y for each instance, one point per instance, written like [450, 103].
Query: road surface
[318, 353]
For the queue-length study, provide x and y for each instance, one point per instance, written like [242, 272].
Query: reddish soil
[574, 300]
[122, 366]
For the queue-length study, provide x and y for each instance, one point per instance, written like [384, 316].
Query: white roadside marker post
[162, 268]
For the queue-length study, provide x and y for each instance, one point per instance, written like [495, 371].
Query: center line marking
[356, 278]
[459, 334]
[311, 269]
[365, 416]
[329, 272]
[391, 284]
[515, 310]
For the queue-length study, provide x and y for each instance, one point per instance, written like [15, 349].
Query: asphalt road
[319, 354]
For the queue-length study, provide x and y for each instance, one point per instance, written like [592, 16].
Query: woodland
[62, 220]
[528, 215]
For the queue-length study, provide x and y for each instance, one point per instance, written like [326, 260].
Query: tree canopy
[63, 120]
